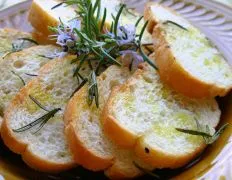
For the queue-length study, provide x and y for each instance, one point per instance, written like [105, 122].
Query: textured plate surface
[215, 20]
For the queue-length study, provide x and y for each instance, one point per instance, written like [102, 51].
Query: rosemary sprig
[208, 138]
[19, 77]
[91, 42]
[174, 23]
[93, 89]
[41, 120]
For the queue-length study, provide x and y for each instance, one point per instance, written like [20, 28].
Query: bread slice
[42, 15]
[90, 147]
[10, 36]
[142, 115]
[186, 59]
[23, 64]
[46, 149]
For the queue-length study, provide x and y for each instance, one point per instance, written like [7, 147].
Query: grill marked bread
[186, 59]
[90, 147]
[21, 64]
[47, 149]
[142, 115]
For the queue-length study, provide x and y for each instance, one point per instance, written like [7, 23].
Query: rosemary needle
[194, 132]
[174, 23]
[38, 103]
[19, 77]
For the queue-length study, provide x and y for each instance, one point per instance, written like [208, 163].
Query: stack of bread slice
[135, 125]
[44, 149]
[84, 131]
[140, 116]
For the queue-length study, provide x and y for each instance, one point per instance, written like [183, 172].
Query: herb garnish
[42, 120]
[93, 89]
[89, 38]
[204, 132]
[174, 23]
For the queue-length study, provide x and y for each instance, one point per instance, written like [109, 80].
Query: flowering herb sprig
[88, 37]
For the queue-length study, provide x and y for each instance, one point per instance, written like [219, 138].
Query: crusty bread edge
[172, 72]
[110, 125]
[37, 13]
[81, 154]
[155, 157]
[6, 133]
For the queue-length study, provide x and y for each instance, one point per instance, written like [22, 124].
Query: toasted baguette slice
[24, 64]
[90, 147]
[11, 36]
[186, 59]
[142, 115]
[42, 15]
[46, 149]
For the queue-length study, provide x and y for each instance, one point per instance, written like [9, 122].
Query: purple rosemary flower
[66, 36]
[126, 34]
[131, 59]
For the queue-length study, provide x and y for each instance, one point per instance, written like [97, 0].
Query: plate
[212, 18]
